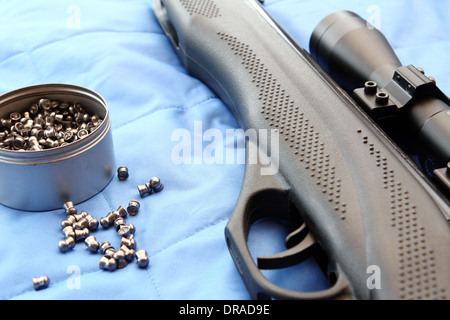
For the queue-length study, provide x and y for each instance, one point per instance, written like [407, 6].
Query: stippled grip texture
[364, 202]
[283, 113]
[206, 8]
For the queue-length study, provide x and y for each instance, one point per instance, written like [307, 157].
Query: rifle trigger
[296, 254]
[296, 236]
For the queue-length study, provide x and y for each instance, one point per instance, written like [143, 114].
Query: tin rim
[59, 153]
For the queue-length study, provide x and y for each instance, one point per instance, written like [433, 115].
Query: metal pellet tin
[42, 180]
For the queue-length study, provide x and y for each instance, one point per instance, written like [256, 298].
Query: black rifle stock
[341, 182]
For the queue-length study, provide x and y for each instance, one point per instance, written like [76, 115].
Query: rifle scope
[360, 59]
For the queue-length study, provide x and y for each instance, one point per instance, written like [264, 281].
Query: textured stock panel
[296, 129]
[206, 8]
[416, 261]
[417, 268]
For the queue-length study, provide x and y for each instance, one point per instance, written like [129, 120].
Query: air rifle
[348, 190]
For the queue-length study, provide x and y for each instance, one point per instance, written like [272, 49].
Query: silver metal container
[44, 180]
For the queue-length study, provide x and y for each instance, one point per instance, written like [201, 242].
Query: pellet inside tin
[46, 124]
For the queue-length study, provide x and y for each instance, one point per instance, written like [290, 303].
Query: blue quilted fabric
[118, 49]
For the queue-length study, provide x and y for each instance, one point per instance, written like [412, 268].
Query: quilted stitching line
[149, 273]
[30, 50]
[53, 283]
[181, 108]
[205, 227]
[108, 201]
[26, 51]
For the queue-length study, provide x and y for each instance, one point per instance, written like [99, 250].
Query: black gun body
[365, 204]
